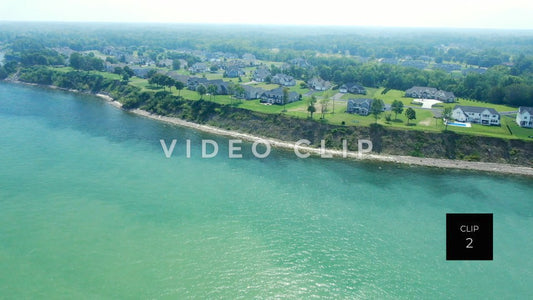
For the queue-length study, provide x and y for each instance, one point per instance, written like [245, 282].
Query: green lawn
[497, 107]
[523, 133]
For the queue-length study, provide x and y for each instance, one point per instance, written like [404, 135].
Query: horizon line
[269, 24]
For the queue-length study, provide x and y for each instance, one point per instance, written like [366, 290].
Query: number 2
[469, 246]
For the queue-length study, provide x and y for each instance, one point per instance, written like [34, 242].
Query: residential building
[275, 96]
[353, 88]
[423, 92]
[284, 80]
[359, 106]
[475, 114]
[524, 118]
[140, 72]
[318, 84]
[234, 72]
[199, 68]
[261, 74]
[252, 92]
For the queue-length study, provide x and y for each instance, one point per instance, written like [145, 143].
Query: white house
[524, 118]
[474, 114]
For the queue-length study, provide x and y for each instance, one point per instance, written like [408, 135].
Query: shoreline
[441, 163]
[398, 159]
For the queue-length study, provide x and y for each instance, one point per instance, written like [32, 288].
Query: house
[140, 72]
[251, 92]
[474, 114]
[353, 88]
[199, 68]
[318, 84]
[300, 62]
[165, 63]
[275, 96]
[284, 80]
[223, 87]
[178, 77]
[194, 82]
[524, 118]
[261, 74]
[359, 106]
[423, 92]
[234, 72]
[111, 67]
[249, 59]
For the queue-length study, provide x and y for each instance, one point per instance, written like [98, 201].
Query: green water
[91, 208]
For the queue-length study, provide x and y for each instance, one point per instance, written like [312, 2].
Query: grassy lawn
[520, 132]
[465, 102]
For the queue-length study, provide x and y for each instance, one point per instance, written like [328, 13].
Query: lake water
[90, 207]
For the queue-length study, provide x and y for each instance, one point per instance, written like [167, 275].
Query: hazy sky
[403, 13]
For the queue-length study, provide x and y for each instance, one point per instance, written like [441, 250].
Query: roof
[360, 101]
[421, 88]
[522, 109]
[278, 92]
[476, 109]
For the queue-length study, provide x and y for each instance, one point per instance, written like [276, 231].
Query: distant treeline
[29, 45]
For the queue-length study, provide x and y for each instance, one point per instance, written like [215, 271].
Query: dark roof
[476, 109]
[278, 92]
[525, 108]
[421, 88]
[360, 101]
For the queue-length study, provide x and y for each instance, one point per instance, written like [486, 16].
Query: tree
[397, 108]
[76, 60]
[201, 90]
[179, 86]
[447, 115]
[410, 114]
[324, 107]
[176, 64]
[154, 80]
[212, 90]
[376, 108]
[128, 71]
[285, 97]
[168, 81]
[239, 91]
[311, 107]
[151, 73]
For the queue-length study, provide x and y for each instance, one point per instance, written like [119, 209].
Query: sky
[508, 14]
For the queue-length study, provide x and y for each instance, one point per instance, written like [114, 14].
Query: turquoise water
[91, 208]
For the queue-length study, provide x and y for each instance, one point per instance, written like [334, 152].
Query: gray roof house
[524, 117]
[359, 106]
[140, 72]
[423, 92]
[475, 114]
[353, 88]
[283, 79]
[275, 96]
[252, 92]
[194, 82]
[176, 76]
[222, 86]
[319, 84]
[260, 74]
[234, 72]
[199, 68]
